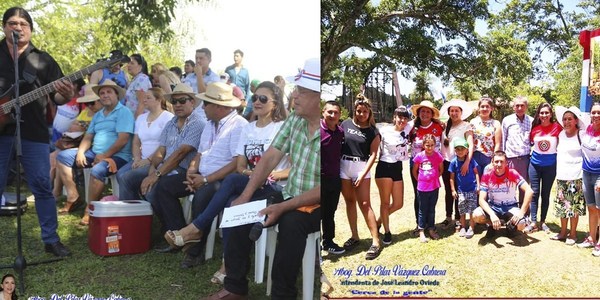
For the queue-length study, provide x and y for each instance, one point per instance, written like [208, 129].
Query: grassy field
[524, 266]
[150, 275]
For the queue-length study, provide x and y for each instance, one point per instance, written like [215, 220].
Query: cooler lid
[124, 208]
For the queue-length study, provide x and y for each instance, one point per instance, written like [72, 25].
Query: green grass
[525, 266]
[150, 275]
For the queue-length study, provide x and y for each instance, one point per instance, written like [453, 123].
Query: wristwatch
[157, 173]
[204, 180]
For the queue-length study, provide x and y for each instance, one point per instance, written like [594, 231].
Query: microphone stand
[20, 263]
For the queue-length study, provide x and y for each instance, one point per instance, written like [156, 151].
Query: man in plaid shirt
[299, 214]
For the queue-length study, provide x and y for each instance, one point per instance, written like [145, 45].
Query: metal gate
[378, 87]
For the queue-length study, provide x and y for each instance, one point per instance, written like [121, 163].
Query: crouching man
[499, 186]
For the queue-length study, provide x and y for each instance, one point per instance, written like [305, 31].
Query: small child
[427, 168]
[467, 185]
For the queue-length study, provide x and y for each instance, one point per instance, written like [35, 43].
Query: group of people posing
[494, 171]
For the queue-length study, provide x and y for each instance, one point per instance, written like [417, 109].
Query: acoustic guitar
[7, 105]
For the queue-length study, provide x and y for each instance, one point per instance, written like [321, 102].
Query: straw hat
[88, 94]
[582, 120]
[467, 110]
[220, 93]
[182, 89]
[310, 76]
[109, 83]
[427, 104]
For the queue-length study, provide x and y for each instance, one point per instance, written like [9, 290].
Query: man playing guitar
[36, 69]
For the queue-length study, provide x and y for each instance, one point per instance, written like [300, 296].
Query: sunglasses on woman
[262, 98]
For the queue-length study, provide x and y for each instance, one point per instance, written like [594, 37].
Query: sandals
[218, 278]
[373, 252]
[530, 228]
[351, 244]
[326, 287]
[175, 239]
[85, 221]
[70, 206]
[545, 228]
[415, 232]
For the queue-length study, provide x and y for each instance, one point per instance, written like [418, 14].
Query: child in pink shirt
[427, 168]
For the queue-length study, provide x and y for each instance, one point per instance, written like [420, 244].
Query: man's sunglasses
[262, 98]
[180, 100]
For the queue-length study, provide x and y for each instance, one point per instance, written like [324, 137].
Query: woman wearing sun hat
[457, 111]
[426, 122]
[569, 203]
[92, 105]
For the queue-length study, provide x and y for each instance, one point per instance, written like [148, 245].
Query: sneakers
[333, 248]
[373, 252]
[469, 234]
[462, 232]
[596, 251]
[387, 238]
[570, 242]
[545, 228]
[587, 243]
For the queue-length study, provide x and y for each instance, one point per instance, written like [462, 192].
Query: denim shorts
[589, 192]
[99, 171]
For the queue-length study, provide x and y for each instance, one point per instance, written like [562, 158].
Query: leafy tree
[78, 32]
[544, 25]
[398, 33]
[502, 64]
[422, 90]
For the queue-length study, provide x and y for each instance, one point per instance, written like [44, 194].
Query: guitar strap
[30, 76]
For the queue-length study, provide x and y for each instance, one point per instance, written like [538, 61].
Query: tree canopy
[398, 33]
[77, 32]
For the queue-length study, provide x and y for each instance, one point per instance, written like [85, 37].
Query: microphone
[15, 35]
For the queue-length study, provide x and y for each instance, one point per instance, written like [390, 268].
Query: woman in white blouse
[148, 128]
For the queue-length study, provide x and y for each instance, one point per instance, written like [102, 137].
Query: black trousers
[294, 227]
[167, 206]
[451, 203]
[330, 197]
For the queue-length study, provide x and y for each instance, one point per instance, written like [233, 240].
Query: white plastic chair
[308, 262]
[186, 206]
[87, 172]
[260, 253]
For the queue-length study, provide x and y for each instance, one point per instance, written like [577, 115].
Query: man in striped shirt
[515, 139]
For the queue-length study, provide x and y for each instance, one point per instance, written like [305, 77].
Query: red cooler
[120, 227]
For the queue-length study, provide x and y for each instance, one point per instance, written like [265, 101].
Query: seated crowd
[495, 172]
[167, 138]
